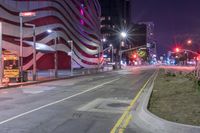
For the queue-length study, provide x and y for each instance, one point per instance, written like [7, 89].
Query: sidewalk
[48, 75]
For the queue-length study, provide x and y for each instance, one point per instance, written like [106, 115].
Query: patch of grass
[175, 98]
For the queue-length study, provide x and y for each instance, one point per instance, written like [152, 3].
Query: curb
[49, 80]
[151, 123]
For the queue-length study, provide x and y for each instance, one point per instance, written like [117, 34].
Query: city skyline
[177, 19]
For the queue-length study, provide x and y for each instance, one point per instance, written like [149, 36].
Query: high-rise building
[76, 20]
[114, 16]
[150, 40]
[150, 33]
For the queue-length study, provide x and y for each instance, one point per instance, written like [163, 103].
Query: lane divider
[126, 117]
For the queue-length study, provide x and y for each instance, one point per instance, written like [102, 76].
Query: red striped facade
[77, 20]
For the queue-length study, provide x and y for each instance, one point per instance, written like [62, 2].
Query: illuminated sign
[27, 14]
[12, 73]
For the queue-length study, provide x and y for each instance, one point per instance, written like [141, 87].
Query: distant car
[191, 62]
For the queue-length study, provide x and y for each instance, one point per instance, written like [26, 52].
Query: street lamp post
[112, 54]
[55, 54]
[34, 51]
[21, 15]
[1, 58]
[123, 36]
[109, 48]
[21, 48]
[56, 57]
[71, 54]
[99, 50]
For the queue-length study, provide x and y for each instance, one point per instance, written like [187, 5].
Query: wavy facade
[77, 20]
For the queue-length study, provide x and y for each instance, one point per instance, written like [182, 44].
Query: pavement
[49, 75]
[86, 104]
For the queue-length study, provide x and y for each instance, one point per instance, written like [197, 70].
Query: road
[88, 104]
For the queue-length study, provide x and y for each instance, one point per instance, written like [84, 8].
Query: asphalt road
[89, 104]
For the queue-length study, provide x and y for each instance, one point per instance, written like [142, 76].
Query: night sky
[174, 20]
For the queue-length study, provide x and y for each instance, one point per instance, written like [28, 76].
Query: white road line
[53, 103]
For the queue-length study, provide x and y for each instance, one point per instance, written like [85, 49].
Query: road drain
[118, 105]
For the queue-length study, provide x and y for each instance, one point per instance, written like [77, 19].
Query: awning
[41, 47]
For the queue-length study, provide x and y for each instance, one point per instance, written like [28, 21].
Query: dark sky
[178, 19]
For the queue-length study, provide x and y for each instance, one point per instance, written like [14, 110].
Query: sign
[27, 14]
[12, 73]
[10, 57]
[141, 53]
[11, 68]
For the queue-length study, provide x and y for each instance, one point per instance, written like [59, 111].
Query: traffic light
[177, 50]
[134, 56]
[198, 58]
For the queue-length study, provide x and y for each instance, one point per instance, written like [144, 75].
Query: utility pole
[21, 15]
[71, 54]
[56, 56]
[21, 49]
[34, 50]
[1, 57]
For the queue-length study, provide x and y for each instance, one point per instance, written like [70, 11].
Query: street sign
[27, 14]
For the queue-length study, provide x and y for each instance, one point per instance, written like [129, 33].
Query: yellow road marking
[123, 127]
[127, 111]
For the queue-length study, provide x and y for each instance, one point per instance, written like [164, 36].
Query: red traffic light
[177, 49]
[198, 58]
[134, 56]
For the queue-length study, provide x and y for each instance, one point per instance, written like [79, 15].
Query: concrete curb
[150, 123]
[51, 79]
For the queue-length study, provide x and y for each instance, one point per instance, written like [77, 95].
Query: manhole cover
[117, 105]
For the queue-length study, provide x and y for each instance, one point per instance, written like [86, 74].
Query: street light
[56, 54]
[108, 48]
[21, 15]
[123, 36]
[189, 42]
[99, 54]
[1, 58]
[34, 50]
[104, 40]
[112, 52]
[71, 54]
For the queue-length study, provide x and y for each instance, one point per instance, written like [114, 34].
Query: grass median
[175, 97]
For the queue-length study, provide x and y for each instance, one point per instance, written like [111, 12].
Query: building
[150, 41]
[139, 35]
[76, 20]
[114, 16]
[150, 33]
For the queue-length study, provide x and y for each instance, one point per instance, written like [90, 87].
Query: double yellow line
[126, 117]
